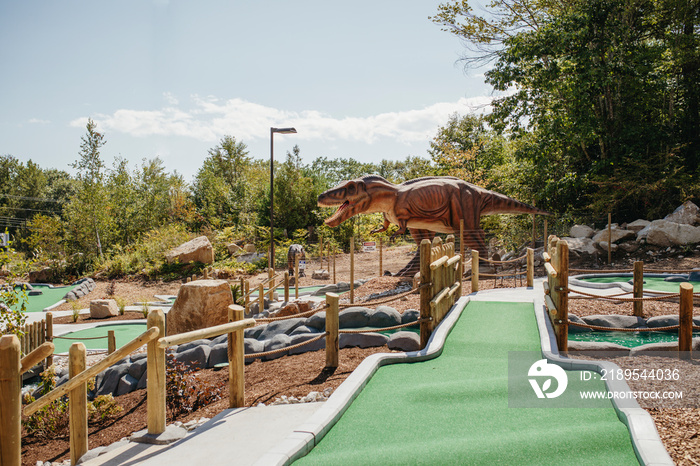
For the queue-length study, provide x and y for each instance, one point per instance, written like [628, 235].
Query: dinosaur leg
[383, 227]
[413, 265]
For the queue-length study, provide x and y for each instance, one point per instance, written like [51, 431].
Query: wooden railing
[441, 269]
[272, 284]
[556, 288]
[11, 368]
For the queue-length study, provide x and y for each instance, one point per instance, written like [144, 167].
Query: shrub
[185, 392]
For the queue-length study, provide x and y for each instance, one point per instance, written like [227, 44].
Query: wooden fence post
[10, 401]
[685, 320]
[49, 336]
[332, 324]
[530, 281]
[270, 284]
[261, 298]
[77, 404]
[425, 295]
[544, 234]
[286, 286]
[352, 269]
[475, 270]
[236, 361]
[562, 316]
[638, 288]
[334, 254]
[381, 271]
[296, 276]
[155, 380]
[111, 342]
[245, 289]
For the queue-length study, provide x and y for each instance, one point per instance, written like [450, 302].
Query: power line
[24, 198]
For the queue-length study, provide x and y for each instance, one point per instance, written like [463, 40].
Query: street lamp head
[283, 130]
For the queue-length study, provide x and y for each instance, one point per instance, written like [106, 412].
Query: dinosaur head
[351, 197]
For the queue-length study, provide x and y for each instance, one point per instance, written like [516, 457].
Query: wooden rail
[272, 285]
[440, 267]
[556, 265]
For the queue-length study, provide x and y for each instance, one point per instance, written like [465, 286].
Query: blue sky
[365, 79]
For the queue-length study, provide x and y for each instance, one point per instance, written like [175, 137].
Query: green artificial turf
[650, 283]
[123, 333]
[454, 409]
[48, 297]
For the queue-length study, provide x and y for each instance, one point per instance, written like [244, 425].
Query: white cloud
[208, 119]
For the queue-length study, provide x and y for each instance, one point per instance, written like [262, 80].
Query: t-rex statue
[424, 205]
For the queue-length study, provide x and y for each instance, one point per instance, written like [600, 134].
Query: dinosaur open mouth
[338, 212]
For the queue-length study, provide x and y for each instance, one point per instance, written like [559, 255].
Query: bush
[185, 392]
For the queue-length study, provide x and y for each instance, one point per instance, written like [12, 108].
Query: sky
[367, 80]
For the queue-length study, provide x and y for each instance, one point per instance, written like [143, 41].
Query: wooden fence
[441, 283]
[556, 288]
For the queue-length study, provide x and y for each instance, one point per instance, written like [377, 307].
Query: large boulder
[688, 214]
[638, 225]
[103, 308]
[581, 231]
[664, 234]
[582, 248]
[616, 234]
[200, 304]
[197, 250]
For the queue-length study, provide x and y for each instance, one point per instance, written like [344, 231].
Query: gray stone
[315, 346]
[277, 342]
[220, 339]
[332, 288]
[253, 332]
[617, 321]
[354, 317]
[604, 246]
[196, 357]
[384, 316]
[616, 233]
[638, 225]
[137, 357]
[410, 315]
[103, 308]
[317, 320]
[143, 381]
[362, 340]
[218, 354]
[91, 454]
[663, 321]
[653, 348]
[197, 250]
[110, 380]
[343, 286]
[136, 369]
[193, 344]
[281, 326]
[574, 328]
[251, 346]
[581, 231]
[171, 434]
[665, 234]
[688, 214]
[303, 330]
[404, 341]
[320, 274]
[598, 346]
[127, 384]
[629, 247]
[582, 247]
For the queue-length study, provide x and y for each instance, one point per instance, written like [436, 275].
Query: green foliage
[103, 407]
[185, 392]
[53, 417]
[12, 299]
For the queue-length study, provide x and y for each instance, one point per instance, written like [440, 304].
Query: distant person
[294, 251]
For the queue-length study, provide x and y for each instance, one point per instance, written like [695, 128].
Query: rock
[193, 344]
[663, 321]
[320, 274]
[665, 234]
[581, 231]
[280, 327]
[619, 350]
[354, 317]
[252, 346]
[103, 308]
[249, 248]
[288, 310]
[218, 354]
[253, 332]
[654, 347]
[127, 384]
[200, 304]
[362, 340]
[303, 330]
[332, 288]
[197, 250]
[277, 342]
[42, 275]
[410, 315]
[384, 316]
[196, 357]
[315, 346]
[576, 329]
[317, 320]
[404, 341]
[138, 368]
[638, 225]
[583, 248]
[110, 380]
[629, 247]
[233, 248]
[688, 214]
[616, 321]
[604, 246]
[617, 234]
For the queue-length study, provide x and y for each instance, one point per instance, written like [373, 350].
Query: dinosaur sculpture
[423, 205]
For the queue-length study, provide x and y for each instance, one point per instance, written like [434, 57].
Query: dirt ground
[301, 374]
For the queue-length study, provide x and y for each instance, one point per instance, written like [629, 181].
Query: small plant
[51, 418]
[75, 306]
[110, 288]
[103, 407]
[185, 392]
[145, 307]
[121, 304]
[236, 292]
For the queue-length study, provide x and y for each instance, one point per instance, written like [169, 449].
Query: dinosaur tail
[496, 203]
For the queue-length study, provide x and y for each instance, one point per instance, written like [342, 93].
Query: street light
[271, 258]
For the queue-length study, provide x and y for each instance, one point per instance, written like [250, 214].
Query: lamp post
[271, 256]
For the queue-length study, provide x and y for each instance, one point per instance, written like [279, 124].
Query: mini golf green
[454, 409]
[627, 339]
[48, 297]
[123, 333]
[650, 283]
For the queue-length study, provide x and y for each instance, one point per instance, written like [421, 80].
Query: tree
[88, 212]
